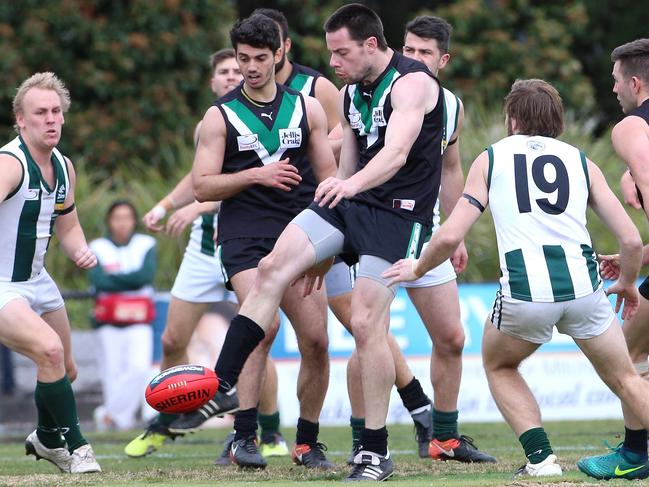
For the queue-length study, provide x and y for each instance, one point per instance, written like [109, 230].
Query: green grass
[188, 461]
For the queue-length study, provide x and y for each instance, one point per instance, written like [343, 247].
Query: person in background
[123, 280]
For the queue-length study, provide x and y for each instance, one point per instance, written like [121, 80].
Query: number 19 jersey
[538, 195]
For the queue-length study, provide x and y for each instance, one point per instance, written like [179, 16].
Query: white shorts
[200, 279]
[441, 274]
[40, 292]
[581, 318]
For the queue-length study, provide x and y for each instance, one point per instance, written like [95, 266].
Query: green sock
[357, 424]
[536, 445]
[269, 423]
[444, 425]
[165, 419]
[47, 431]
[59, 398]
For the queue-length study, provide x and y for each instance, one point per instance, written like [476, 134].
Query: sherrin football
[181, 389]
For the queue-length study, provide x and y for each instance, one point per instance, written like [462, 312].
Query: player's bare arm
[12, 175]
[327, 94]
[320, 153]
[183, 217]
[69, 231]
[631, 143]
[451, 185]
[180, 196]
[412, 97]
[629, 190]
[210, 184]
[445, 240]
[610, 211]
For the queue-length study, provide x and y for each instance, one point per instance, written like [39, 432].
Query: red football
[181, 389]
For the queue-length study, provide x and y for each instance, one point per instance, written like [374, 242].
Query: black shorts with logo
[370, 230]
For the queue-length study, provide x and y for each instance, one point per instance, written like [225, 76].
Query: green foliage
[136, 70]
[496, 42]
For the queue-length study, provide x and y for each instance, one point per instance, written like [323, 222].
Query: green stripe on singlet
[298, 82]
[591, 262]
[519, 284]
[560, 279]
[268, 138]
[490, 153]
[366, 110]
[207, 235]
[59, 173]
[26, 238]
[584, 166]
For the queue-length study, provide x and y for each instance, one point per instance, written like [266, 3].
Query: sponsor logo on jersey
[269, 115]
[355, 121]
[248, 142]
[536, 145]
[290, 138]
[378, 120]
[32, 194]
[404, 204]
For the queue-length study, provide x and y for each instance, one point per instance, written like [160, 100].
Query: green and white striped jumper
[538, 194]
[28, 213]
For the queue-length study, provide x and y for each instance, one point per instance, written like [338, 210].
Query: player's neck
[263, 94]
[381, 62]
[643, 98]
[283, 74]
[41, 155]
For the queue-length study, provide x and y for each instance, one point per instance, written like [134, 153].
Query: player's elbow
[200, 192]
[631, 240]
[449, 240]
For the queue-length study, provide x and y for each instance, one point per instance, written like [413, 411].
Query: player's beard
[280, 64]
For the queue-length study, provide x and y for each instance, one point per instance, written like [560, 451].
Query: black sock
[245, 423]
[636, 441]
[307, 432]
[241, 339]
[375, 440]
[413, 396]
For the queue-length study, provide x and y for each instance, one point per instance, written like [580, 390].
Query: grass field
[188, 461]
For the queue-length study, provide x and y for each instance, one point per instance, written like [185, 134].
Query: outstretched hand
[332, 190]
[609, 266]
[402, 270]
[627, 298]
[314, 277]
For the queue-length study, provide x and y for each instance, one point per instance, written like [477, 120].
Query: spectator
[123, 314]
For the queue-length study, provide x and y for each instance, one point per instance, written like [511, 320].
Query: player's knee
[172, 344]
[452, 343]
[267, 270]
[362, 331]
[49, 354]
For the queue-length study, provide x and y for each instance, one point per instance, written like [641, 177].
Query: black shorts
[240, 254]
[370, 230]
[644, 289]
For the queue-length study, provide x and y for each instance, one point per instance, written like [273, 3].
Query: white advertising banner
[561, 378]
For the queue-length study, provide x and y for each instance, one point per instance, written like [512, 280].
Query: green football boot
[618, 464]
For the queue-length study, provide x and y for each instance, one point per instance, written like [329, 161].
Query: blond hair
[45, 81]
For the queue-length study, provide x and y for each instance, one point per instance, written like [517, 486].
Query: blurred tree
[137, 70]
[611, 24]
[496, 41]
